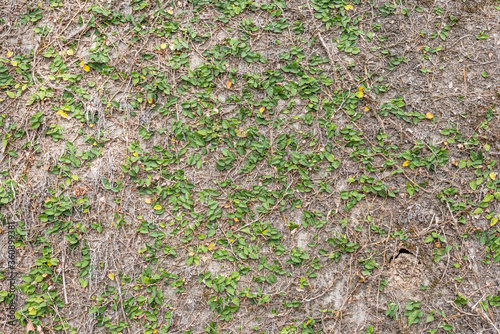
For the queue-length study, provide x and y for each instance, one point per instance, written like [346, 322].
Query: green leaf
[410, 189]
[84, 283]
[430, 317]
[488, 198]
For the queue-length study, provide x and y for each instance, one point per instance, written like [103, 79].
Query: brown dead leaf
[30, 327]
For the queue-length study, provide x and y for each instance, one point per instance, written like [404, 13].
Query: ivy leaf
[84, 283]
[410, 189]
[52, 262]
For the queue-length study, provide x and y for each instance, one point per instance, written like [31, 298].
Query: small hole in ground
[401, 251]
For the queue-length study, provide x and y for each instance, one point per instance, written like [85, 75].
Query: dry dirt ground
[243, 166]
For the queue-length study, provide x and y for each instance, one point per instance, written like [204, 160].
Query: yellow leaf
[366, 108]
[91, 125]
[240, 133]
[262, 109]
[359, 93]
[10, 54]
[349, 7]
[157, 207]
[163, 46]
[148, 200]
[228, 84]
[429, 115]
[135, 154]
[406, 163]
[86, 68]
[70, 52]
[211, 246]
[32, 311]
[13, 63]
[493, 221]
[493, 176]
[236, 219]
[170, 11]
[62, 113]
[111, 276]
